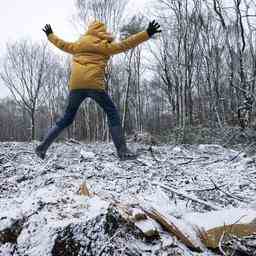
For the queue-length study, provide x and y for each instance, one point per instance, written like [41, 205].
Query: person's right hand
[47, 29]
[153, 28]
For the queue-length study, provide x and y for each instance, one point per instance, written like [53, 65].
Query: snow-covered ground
[40, 197]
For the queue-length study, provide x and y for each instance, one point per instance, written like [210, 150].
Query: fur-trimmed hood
[98, 29]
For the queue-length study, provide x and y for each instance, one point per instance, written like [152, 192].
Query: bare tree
[133, 68]
[55, 91]
[24, 73]
[108, 11]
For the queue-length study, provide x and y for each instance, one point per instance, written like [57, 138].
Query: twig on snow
[244, 150]
[183, 194]
[204, 189]
[226, 193]
[215, 161]
[220, 244]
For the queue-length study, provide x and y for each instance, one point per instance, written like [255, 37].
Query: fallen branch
[244, 150]
[213, 238]
[215, 161]
[187, 162]
[197, 159]
[172, 228]
[183, 194]
[220, 244]
[224, 192]
[192, 159]
[203, 189]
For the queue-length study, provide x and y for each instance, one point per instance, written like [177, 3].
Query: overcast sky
[25, 18]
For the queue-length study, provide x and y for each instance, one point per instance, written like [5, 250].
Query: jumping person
[90, 56]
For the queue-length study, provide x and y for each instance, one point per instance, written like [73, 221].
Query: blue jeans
[76, 97]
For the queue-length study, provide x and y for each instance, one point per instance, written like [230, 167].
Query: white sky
[25, 19]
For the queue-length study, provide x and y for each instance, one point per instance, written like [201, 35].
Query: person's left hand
[153, 28]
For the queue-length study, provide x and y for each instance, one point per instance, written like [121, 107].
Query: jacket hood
[98, 29]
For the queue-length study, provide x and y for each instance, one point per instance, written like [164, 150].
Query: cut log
[138, 214]
[213, 219]
[211, 238]
[175, 229]
[211, 225]
[148, 227]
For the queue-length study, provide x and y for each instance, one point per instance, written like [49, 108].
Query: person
[90, 56]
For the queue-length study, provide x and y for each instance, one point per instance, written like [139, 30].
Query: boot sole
[125, 158]
[40, 154]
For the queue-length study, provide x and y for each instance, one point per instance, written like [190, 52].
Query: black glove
[153, 28]
[47, 29]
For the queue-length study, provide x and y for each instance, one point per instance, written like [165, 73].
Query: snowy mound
[42, 213]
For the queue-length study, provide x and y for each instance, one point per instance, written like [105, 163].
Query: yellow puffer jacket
[91, 53]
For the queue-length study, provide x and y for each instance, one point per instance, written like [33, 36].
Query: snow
[215, 219]
[6, 249]
[87, 155]
[46, 192]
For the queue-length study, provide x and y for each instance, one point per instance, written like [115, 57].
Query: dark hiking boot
[126, 154]
[40, 153]
[50, 137]
[119, 141]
